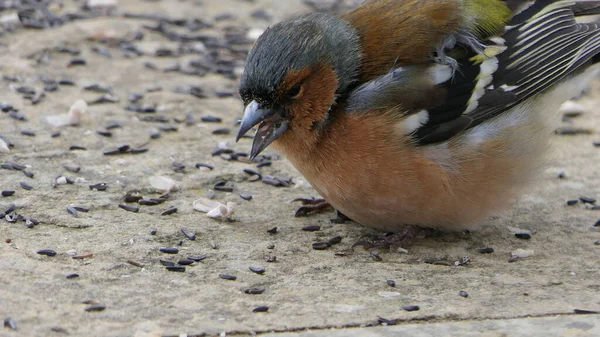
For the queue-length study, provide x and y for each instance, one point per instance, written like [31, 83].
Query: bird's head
[293, 74]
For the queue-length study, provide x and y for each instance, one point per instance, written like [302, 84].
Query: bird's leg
[399, 239]
[311, 206]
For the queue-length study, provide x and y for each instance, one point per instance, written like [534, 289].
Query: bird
[419, 113]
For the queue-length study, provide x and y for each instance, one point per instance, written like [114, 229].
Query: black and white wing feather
[542, 44]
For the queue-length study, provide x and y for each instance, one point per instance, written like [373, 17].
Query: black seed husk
[321, 245]
[169, 211]
[188, 234]
[197, 258]
[463, 293]
[411, 307]
[185, 262]
[129, 208]
[99, 186]
[72, 211]
[169, 250]
[254, 291]
[311, 228]
[262, 308]
[166, 263]
[587, 200]
[47, 252]
[228, 277]
[335, 240]
[486, 250]
[257, 270]
[524, 236]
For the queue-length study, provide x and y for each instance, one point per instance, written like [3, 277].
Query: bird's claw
[399, 239]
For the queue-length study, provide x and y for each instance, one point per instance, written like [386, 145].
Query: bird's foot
[388, 240]
[311, 206]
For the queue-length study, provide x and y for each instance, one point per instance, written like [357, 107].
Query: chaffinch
[432, 113]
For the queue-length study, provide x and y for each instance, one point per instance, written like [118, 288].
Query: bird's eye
[295, 91]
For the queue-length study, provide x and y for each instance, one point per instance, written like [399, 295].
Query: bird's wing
[541, 45]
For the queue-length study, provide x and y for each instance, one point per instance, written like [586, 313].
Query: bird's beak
[271, 126]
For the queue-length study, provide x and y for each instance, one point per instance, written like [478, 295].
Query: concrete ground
[123, 290]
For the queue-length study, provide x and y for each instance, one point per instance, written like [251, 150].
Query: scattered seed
[254, 291]
[213, 245]
[179, 269]
[273, 230]
[99, 186]
[29, 133]
[112, 125]
[597, 224]
[139, 150]
[277, 181]
[270, 246]
[335, 240]
[524, 236]
[10, 323]
[208, 166]
[104, 133]
[185, 262]
[262, 308]
[385, 321]
[169, 211]
[271, 258]
[77, 147]
[153, 231]
[81, 208]
[391, 283]
[10, 208]
[263, 164]
[228, 277]
[166, 263]
[78, 61]
[95, 307]
[8, 193]
[587, 200]
[211, 119]
[197, 258]
[572, 202]
[223, 186]
[321, 245]
[72, 211]
[47, 252]
[129, 208]
[188, 234]
[149, 202]
[133, 196]
[74, 275]
[411, 307]
[65, 81]
[169, 250]
[247, 197]
[487, 250]
[221, 131]
[463, 293]
[25, 185]
[311, 228]
[585, 312]
[257, 270]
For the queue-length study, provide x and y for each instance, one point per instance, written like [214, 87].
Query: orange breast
[366, 170]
